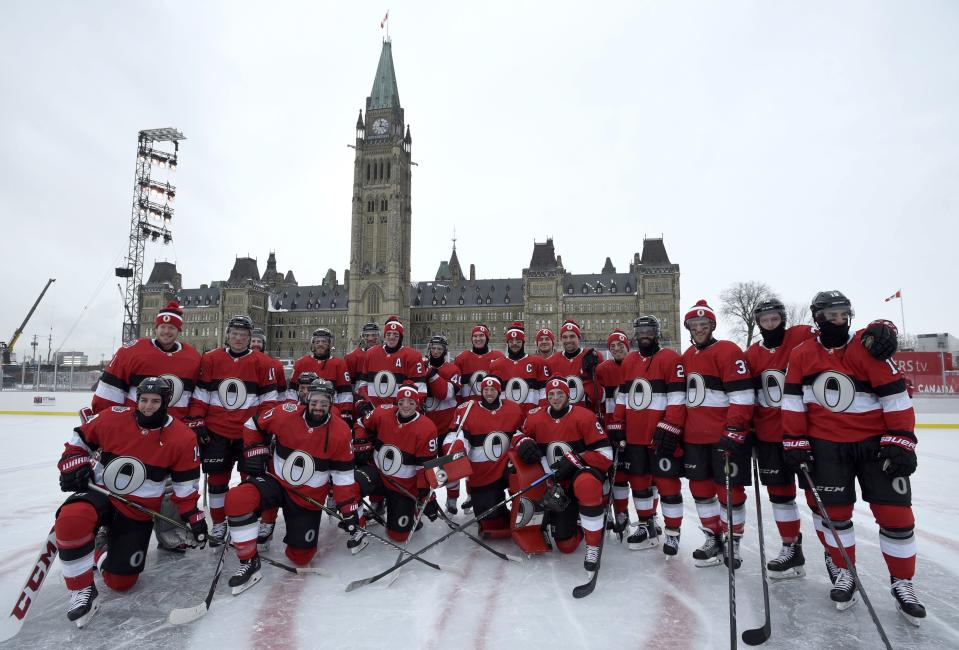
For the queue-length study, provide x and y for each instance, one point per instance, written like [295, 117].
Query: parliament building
[378, 283]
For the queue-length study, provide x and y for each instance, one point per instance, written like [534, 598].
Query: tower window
[369, 206]
[389, 167]
[367, 171]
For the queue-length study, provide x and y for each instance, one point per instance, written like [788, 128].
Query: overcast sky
[809, 145]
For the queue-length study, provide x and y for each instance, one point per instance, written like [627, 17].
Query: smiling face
[238, 339]
[515, 345]
[392, 338]
[618, 349]
[149, 403]
[700, 329]
[166, 334]
[570, 341]
[557, 398]
[545, 345]
[406, 406]
[478, 339]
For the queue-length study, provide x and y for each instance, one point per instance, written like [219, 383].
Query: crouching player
[139, 448]
[311, 453]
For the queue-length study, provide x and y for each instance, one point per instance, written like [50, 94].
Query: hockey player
[523, 375]
[403, 439]
[483, 429]
[651, 409]
[719, 403]
[474, 364]
[258, 343]
[545, 341]
[442, 385]
[576, 365]
[334, 369]
[139, 448]
[369, 338]
[163, 355]
[846, 419]
[578, 451]
[236, 383]
[608, 379]
[387, 366]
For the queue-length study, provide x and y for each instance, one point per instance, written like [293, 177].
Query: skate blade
[713, 561]
[83, 620]
[849, 603]
[912, 620]
[359, 547]
[788, 574]
[642, 546]
[239, 589]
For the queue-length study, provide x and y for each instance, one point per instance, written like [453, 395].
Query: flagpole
[902, 312]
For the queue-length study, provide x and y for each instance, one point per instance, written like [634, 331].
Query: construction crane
[6, 348]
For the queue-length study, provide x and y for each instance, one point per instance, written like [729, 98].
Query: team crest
[289, 407]
[119, 409]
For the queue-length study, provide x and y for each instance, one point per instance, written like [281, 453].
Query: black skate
[468, 506]
[906, 602]
[844, 592]
[246, 576]
[357, 541]
[83, 605]
[790, 563]
[644, 537]
[217, 534]
[709, 553]
[263, 536]
[591, 561]
[831, 569]
[451, 507]
[737, 558]
[671, 542]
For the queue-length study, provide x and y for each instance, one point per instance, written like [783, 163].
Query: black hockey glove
[363, 408]
[733, 441]
[350, 522]
[797, 451]
[555, 498]
[666, 439]
[199, 429]
[567, 465]
[76, 470]
[897, 451]
[881, 339]
[431, 509]
[196, 519]
[528, 451]
[590, 361]
[362, 451]
[617, 435]
[254, 460]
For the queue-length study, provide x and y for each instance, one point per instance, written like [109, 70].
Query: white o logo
[232, 393]
[389, 459]
[403, 521]
[576, 389]
[476, 379]
[834, 391]
[124, 475]
[177, 387]
[516, 390]
[495, 445]
[695, 390]
[524, 513]
[900, 485]
[137, 559]
[665, 464]
[310, 536]
[166, 318]
[298, 468]
[555, 450]
[733, 469]
[640, 395]
[773, 385]
[384, 383]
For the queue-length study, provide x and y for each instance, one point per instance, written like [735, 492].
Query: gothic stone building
[378, 283]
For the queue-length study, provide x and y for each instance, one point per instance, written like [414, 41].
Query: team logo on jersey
[495, 445]
[695, 390]
[124, 475]
[516, 390]
[834, 391]
[177, 384]
[389, 459]
[555, 450]
[289, 408]
[384, 384]
[772, 384]
[298, 468]
[232, 393]
[116, 409]
[476, 379]
[640, 395]
[576, 389]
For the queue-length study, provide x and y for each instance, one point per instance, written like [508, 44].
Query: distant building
[72, 358]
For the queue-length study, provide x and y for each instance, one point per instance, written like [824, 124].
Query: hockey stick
[11, 624]
[93, 487]
[185, 615]
[300, 570]
[845, 556]
[409, 536]
[730, 558]
[760, 635]
[583, 590]
[356, 584]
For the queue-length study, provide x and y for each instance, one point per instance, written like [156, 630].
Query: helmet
[322, 387]
[258, 334]
[322, 333]
[646, 321]
[439, 339]
[771, 306]
[240, 321]
[306, 378]
[158, 386]
[829, 300]
[370, 328]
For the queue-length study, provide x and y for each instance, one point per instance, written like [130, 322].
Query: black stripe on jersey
[738, 385]
[114, 381]
[576, 446]
[252, 388]
[268, 388]
[136, 379]
[892, 388]
[713, 383]
[794, 389]
[422, 459]
[658, 385]
[345, 388]
[185, 475]
[319, 464]
[154, 473]
[676, 387]
[861, 386]
[610, 391]
[400, 377]
[599, 444]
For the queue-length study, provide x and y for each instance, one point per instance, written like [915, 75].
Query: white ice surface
[641, 599]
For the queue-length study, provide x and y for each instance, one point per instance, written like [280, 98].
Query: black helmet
[306, 378]
[646, 321]
[158, 386]
[829, 300]
[370, 328]
[240, 321]
[771, 306]
[258, 334]
[322, 387]
[322, 333]
[439, 339]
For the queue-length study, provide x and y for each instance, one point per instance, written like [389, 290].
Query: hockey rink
[641, 599]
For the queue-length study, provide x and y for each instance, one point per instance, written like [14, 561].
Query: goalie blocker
[447, 469]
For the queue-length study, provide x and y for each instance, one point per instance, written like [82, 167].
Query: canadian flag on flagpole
[898, 294]
[385, 18]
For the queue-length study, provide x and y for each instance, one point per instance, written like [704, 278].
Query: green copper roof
[384, 93]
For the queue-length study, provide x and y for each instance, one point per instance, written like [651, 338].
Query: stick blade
[586, 589]
[757, 636]
[187, 615]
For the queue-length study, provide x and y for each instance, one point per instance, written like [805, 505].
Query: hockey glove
[76, 471]
[666, 439]
[567, 465]
[431, 509]
[617, 435]
[797, 451]
[362, 451]
[590, 361]
[350, 522]
[363, 408]
[881, 339]
[733, 441]
[897, 451]
[254, 460]
[528, 451]
[197, 522]
[199, 429]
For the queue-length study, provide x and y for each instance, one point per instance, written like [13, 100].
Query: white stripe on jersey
[862, 403]
[793, 403]
[111, 393]
[183, 489]
[897, 402]
[742, 397]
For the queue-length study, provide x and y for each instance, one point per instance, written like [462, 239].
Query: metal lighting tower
[151, 215]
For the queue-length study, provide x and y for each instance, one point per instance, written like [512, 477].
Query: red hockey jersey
[485, 437]
[143, 358]
[575, 430]
[401, 447]
[653, 389]
[582, 389]
[523, 380]
[309, 459]
[442, 385]
[844, 394]
[354, 366]
[385, 371]
[473, 367]
[135, 462]
[332, 369]
[609, 376]
[232, 389]
[719, 391]
[768, 366]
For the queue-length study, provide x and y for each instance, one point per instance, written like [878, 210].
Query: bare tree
[798, 314]
[738, 302]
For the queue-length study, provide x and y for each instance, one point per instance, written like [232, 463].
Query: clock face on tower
[381, 126]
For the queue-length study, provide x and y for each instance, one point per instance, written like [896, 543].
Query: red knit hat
[407, 390]
[480, 329]
[170, 315]
[700, 310]
[571, 326]
[393, 324]
[516, 331]
[557, 383]
[492, 381]
[548, 333]
[617, 335]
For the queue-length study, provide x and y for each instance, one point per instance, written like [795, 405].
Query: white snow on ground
[641, 599]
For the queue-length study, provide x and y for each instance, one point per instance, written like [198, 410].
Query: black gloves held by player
[362, 409]
[733, 441]
[254, 460]
[617, 435]
[431, 508]
[881, 339]
[196, 520]
[666, 439]
[76, 470]
[897, 451]
[797, 451]
[198, 427]
[590, 361]
[528, 451]
[349, 521]
[362, 450]
[567, 465]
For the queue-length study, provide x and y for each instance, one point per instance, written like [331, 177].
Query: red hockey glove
[797, 451]
[197, 522]
[897, 451]
[733, 441]
[76, 470]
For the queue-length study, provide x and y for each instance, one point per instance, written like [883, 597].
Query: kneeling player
[580, 455]
[311, 453]
[138, 449]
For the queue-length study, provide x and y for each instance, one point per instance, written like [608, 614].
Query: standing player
[333, 369]
[576, 365]
[258, 343]
[236, 383]
[443, 382]
[474, 364]
[578, 451]
[369, 338]
[523, 376]
[139, 448]
[609, 376]
[651, 407]
[545, 341]
[162, 355]
[719, 403]
[847, 419]
[387, 366]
